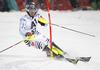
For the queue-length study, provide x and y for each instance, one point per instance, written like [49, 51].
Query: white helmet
[31, 7]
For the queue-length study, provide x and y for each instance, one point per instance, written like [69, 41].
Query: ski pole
[27, 38]
[74, 30]
[11, 46]
[44, 21]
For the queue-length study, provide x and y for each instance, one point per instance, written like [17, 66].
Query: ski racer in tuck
[28, 27]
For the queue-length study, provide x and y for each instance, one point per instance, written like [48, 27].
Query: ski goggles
[31, 8]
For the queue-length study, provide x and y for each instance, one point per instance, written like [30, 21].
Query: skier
[28, 24]
[27, 28]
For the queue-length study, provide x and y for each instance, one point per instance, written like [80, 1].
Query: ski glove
[43, 21]
[29, 36]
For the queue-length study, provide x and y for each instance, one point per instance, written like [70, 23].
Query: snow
[21, 57]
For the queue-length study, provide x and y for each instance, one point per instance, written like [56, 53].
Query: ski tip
[74, 61]
[85, 59]
[88, 59]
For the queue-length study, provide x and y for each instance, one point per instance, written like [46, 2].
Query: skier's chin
[32, 14]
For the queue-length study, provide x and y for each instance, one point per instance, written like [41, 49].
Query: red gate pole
[50, 29]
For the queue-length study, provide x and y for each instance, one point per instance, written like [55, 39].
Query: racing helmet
[31, 7]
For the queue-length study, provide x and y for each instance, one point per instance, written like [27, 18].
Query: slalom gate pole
[50, 29]
[11, 46]
[74, 30]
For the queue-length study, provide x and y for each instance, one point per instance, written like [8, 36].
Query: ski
[74, 61]
[84, 59]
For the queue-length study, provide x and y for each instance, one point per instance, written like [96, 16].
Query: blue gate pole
[52, 4]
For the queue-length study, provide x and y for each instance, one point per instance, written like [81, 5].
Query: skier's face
[32, 11]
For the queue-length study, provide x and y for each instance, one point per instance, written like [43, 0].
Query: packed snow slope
[21, 57]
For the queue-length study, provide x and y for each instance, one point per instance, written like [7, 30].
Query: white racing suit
[29, 24]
